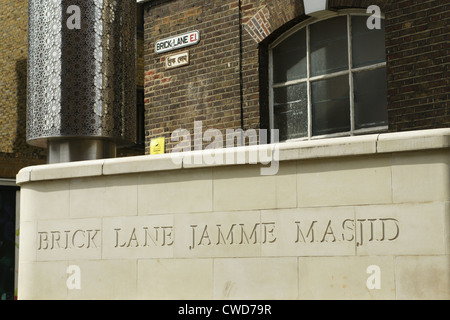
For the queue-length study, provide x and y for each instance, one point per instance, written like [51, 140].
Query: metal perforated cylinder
[81, 78]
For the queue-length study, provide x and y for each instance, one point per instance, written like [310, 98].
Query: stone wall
[347, 218]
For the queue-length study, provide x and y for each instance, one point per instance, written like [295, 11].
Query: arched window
[327, 78]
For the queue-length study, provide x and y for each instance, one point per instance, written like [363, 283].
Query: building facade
[356, 92]
[235, 71]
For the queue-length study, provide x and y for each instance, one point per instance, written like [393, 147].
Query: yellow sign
[157, 146]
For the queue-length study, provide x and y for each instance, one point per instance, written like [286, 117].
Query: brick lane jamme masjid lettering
[360, 231]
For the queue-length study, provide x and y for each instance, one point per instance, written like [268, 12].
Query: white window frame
[309, 79]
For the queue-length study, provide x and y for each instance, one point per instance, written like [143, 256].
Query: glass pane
[368, 46]
[331, 106]
[370, 98]
[329, 46]
[291, 111]
[289, 58]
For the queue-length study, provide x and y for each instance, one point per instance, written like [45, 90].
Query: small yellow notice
[157, 146]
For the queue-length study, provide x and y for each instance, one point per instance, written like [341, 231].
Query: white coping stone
[333, 147]
[337, 147]
[414, 140]
[24, 175]
[143, 164]
[67, 170]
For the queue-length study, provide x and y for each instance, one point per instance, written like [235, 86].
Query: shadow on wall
[21, 148]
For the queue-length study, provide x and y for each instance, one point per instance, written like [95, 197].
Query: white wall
[349, 218]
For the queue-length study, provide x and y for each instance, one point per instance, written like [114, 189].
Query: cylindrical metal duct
[81, 77]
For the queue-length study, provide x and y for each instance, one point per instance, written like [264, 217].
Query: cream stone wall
[348, 218]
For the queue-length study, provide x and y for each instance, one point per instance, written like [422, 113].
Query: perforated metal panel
[81, 82]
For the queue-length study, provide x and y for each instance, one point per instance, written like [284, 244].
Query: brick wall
[208, 89]
[418, 56]
[226, 74]
[225, 86]
[14, 151]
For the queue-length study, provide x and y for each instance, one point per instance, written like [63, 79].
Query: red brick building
[228, 83]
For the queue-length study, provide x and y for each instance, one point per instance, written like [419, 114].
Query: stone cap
[286, 151]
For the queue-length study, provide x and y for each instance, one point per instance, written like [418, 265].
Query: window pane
[370, 98]
[329, 46]
[331, 106]
[289, 58]
[291, 111]
[368, 46]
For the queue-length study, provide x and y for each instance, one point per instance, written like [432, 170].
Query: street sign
[177, 42]
[177, 60]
